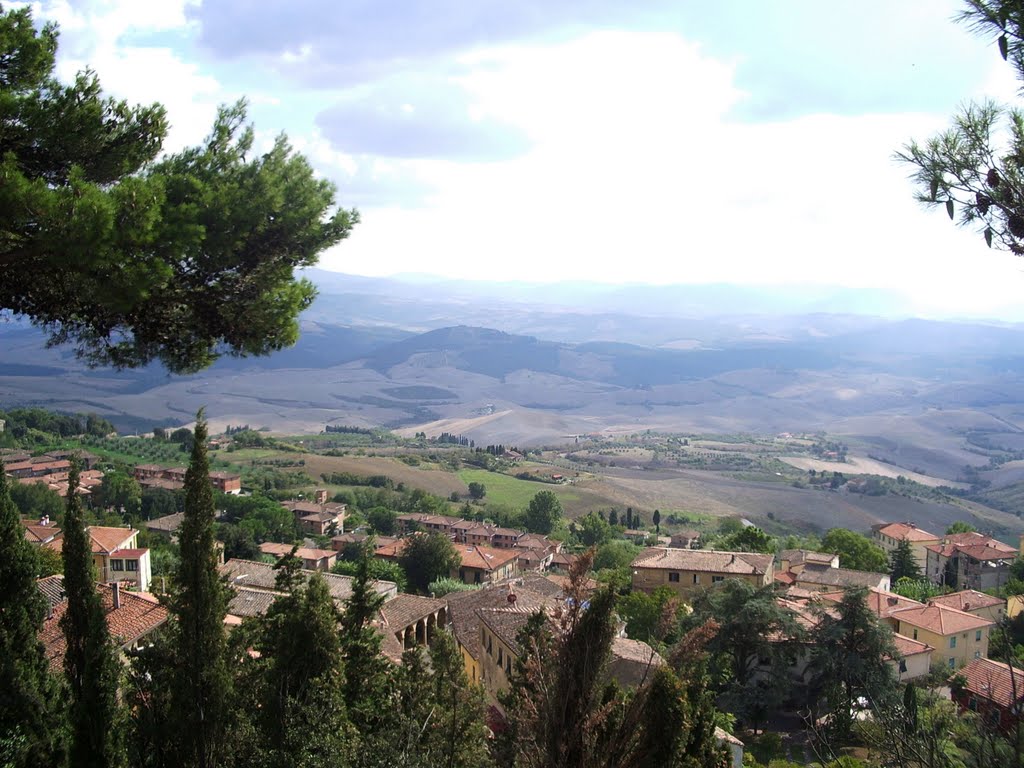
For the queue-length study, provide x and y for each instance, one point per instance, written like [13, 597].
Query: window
[977, 654]
[716, 579]
[490, 647]
[952, 642]
[903, 666]
[952, 663]
[131, 565]
[977, 636]
[972, 704]
[915, 634]
[117, 565]
[696, 578]
[673, 577]
[508, 665]
[501, 656]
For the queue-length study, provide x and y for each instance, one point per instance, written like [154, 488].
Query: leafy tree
[28, 695]
[37, 501]
[382, 570]
[613, 517]
[427, 557]
[753, 628]
[382, 520]
[201, 685]
[656, 519]
[960, 527]
[903, 564]
[120, 491]
[134, 259]
[748, 539]
[91, 666]
[975, 169]
[544, 511]
[616, 554]
[849, 669]
[477, 491]
[855, 550]
[446, 585]
[591, 530]
[921, 589]
[651, 616]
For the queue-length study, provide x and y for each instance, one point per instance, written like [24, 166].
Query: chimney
[116, 587]
[321, 496]
[45, 521]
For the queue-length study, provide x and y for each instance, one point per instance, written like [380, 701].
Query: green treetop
[135, 259]
[903, 563]
[855, 550]
[27, 691]
[543, 513]
[975, 169]
[427, 557]
[91, 666]
[198, 604]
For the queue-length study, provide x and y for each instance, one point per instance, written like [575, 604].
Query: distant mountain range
[538, 363]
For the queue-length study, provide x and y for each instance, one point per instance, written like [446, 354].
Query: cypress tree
[91, 666]
[367, 674]
[27, 690]
[198, 603]
[903, 564]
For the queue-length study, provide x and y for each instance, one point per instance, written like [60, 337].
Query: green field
[503, 489]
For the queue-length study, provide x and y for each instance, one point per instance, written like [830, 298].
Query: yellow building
[687, 570]
[972, 601]
[889, 535]
[958, 637]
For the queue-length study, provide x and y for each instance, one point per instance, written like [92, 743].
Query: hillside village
[942, 623]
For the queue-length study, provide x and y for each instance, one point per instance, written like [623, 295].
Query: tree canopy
[855, 551]
[975, 169]
[543, 513]
[132, 256]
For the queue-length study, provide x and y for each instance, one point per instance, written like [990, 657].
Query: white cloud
[639, 174]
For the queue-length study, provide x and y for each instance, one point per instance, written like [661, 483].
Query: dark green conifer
[367, 673]
[903, 563]
[91, 666]
[303, 712]
[27, 690]
[198, 603]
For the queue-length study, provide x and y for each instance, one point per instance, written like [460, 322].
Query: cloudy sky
[660, 141]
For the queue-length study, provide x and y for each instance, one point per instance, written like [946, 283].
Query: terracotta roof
[167, 523]
[303, 553]
[704, 560]
[506, 623]
[940, 619]
[161, 482]
[484, 558]
[106, 539]
[882, 604]
[904, 532]
[968, 600]
[322, 517]
[841, 577]
[251, 602]
[975, 545]
[463, 606]
[906, 646]
[52, 588]
[137, 616]
[785, 577]
[798, 556]
[38, 533]
[149, 467]
[225, 476]
[993, 680]
[635, 650]
[403, 610]
[534, 541]
[263, 576]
